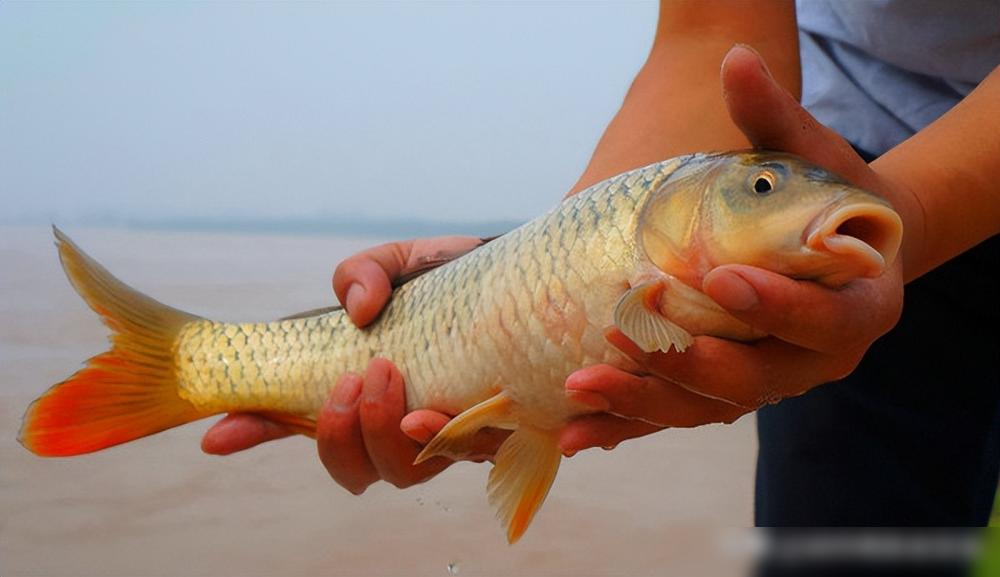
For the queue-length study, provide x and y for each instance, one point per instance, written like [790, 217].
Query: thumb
[772, 118]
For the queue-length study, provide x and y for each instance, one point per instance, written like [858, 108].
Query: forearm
[675, 104]
[951, 170]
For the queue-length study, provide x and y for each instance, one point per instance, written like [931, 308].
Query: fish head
[771, 210]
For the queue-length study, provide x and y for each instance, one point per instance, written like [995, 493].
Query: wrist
[906, 203]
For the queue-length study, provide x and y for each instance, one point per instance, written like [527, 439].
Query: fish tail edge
[125, 393]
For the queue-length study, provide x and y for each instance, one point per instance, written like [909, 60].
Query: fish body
[491, 336]
[517, 315]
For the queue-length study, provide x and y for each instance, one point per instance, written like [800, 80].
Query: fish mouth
[863, 239]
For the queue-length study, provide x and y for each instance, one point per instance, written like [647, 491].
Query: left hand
[817, 334]
[359, 432]
[362, 434]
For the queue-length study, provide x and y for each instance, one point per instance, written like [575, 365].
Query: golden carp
[491, 336]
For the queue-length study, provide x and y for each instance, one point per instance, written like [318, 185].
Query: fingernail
[417, 432]
[355, 293]
[595, 401]
[731, 291]
[345, 394]
[756, 55]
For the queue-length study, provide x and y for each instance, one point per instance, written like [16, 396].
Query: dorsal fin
[312, 313]
[426, 265]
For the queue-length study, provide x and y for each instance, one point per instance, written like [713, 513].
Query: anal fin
[525, 468]
[525, 465]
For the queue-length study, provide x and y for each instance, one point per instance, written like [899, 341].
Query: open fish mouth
[864, 236]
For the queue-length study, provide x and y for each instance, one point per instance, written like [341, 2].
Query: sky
[433, 111]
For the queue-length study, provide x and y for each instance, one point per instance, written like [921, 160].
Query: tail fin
[128, 392]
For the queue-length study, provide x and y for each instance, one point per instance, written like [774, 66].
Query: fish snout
[862, 238]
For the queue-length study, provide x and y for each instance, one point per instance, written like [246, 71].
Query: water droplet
[609, 447]
[453, 568]
[420, 501]
[568, 454]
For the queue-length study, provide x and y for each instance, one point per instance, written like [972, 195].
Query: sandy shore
[159, 506]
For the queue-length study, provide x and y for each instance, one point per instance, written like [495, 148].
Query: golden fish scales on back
[489, 337]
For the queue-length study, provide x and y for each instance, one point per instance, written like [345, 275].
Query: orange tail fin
[123, 394]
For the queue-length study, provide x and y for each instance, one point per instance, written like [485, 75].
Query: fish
[489, 337]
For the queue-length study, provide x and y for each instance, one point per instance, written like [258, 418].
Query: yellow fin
[455, 439]
[526, 465]
[638, 316]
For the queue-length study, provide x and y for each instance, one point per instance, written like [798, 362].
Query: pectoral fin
[456, 439]
[638, 316]
[526, 465]
[312, 313]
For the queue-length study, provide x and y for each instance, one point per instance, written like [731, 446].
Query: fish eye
[763, 183]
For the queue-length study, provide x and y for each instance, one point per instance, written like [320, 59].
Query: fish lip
[881, 225]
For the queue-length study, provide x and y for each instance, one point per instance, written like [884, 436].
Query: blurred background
[305, 115]
[223, 157]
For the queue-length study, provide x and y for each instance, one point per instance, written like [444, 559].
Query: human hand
[816, 333]
[358, 433]
[362, 434]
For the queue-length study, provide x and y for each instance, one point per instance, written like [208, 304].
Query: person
[906, 431]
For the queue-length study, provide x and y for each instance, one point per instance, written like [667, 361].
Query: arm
[675, 104]
[943, 183]
[952, 170]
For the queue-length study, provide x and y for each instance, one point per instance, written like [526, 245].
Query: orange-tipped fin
[525, 468]
[128, 392]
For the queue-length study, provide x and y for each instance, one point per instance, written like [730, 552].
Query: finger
[601, 430]
[421, 425]
[772, 118]
[651, 399]
[382, 408]
[805, 313]
[240, 431]
[363, 282]
[338, 437]
[428, 253]
[753, 374]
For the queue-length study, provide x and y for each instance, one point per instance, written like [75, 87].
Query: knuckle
[407, 475]
[844, 364]
[335, 432]
[893, 312]
[731, 415]
[604, 373]
[399, 251]
[404, 481]
[356, 489]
